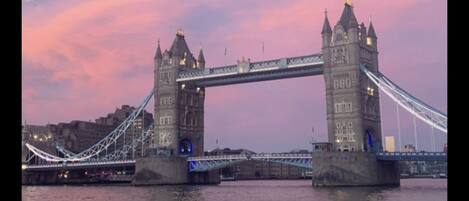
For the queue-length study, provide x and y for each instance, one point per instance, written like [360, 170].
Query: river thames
[258, 190]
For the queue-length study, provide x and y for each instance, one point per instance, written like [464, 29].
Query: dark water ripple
[260, 190]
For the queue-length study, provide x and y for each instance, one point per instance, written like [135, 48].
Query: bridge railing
[223, 70]
[292, 61]
[247, 156]
[79, 164]
[281, 155]
[225, 157]
[265, 64]
[411, 154]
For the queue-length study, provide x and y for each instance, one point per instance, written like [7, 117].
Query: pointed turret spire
[201, 58]
[158, 54]
[362, 31]
[348, 19]
[179, 46]
[349, 2]
[326, 27]
[371, 30]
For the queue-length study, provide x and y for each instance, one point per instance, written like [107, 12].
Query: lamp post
[312, 139]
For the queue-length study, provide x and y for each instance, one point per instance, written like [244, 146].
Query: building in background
[409, 148]
[322, 146]
[77, 136]
[41, 137]
[445, 148]
[253, 169]
[389, 144]
[422, 168]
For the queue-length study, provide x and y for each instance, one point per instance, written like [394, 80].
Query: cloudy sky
[83, 59]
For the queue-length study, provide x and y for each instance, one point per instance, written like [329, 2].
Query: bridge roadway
[204, 163]
[257, 71]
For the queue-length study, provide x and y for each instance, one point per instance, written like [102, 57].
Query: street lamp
[312, 139]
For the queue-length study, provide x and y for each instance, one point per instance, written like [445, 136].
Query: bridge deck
[212, 161]
[79, 165]
[412, 156]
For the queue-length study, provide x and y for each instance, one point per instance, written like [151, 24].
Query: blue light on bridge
[185, 147]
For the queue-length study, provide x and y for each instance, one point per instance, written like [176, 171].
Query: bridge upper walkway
[257, 71]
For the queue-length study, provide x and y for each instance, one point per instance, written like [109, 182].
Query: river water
[258, 190]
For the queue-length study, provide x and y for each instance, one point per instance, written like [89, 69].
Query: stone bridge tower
[179, 108]
[353, 109]
[179, 121]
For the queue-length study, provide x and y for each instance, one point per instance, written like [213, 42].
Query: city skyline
[83, 66]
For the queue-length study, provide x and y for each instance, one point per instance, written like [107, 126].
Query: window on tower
[370, 91]
[369, 41]
[343, 107]
[183, 60]
[348, 83]
[339, 37]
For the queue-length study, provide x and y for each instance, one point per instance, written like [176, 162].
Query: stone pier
[39, 178]
[170, 170]
[353, 169]
[157, 171]
[209, 177]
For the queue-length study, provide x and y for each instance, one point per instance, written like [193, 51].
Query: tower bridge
[174, 144]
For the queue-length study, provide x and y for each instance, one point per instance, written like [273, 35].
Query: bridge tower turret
[353, 109]
[158, 56]
[178, 107]
[201, 60]
[326, 31]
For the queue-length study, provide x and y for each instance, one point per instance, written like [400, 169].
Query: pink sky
[82, 59]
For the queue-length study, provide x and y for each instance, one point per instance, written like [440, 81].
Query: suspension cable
[432, 137]
[99, 146]
[143, 128]
[398, 128]
[416, 107]
[415, 133]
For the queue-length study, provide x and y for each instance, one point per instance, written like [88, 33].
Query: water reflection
[276, 190]
[355, 193]
[179, 193]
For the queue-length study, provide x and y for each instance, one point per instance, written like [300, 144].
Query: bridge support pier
[39, 178]
[209, 177]
[170, 170]
[353, 169]
[160, 171]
